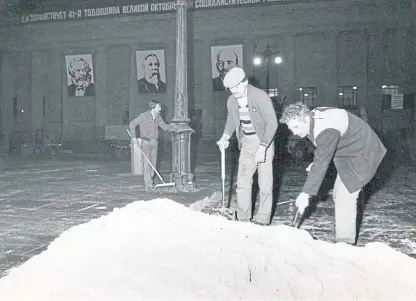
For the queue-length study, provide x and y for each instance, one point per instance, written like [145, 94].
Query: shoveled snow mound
[163, 250]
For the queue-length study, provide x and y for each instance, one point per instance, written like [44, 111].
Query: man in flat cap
[252, 117]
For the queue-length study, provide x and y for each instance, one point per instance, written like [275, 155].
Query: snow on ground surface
[163, 250]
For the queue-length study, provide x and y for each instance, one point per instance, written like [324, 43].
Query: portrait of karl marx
[80, 73]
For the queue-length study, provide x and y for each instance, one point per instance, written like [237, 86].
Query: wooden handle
[222, 162]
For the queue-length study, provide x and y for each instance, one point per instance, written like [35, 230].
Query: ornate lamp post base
[181, 154]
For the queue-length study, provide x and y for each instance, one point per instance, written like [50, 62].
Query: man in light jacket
[252, 118]
[356, 150]
[149, 123]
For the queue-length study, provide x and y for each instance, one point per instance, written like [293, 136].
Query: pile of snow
[163, 250]
[214, 201]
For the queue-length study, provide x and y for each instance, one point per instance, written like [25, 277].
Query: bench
[120, 142]
[118, 139]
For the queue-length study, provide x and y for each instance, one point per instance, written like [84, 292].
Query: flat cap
[233, 77]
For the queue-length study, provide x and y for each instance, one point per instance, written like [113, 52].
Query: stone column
[100, 92]
[375, 74]
[37, 95]
[331, 82]
[287, 69]
[181, 139]
[6, 100]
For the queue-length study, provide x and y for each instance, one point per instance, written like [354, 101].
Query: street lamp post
[268, 56]
[181, 139]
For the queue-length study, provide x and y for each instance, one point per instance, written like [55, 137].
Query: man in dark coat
[353, 146]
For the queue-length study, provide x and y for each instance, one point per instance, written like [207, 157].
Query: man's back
[355, 134]
[359, 151]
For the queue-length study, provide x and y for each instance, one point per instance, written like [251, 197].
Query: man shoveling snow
[356, 150]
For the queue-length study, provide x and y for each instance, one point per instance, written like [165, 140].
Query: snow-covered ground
[163, 250]
[389, 215]
[41, 200]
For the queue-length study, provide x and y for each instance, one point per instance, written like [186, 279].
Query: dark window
[390, 89]
[272, 92]
[347, 97]
[307, 95]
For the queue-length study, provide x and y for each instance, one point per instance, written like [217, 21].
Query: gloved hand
[260, 154]
[224, 141]
[302, 201]
[308, 169]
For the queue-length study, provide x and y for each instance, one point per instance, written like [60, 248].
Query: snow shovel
[226, 212]
[163, 187]
[298, 218]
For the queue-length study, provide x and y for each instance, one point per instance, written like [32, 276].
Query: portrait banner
[223, 58]
[80, 75]
[151, 71]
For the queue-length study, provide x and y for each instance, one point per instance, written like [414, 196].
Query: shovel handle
[222, 149]
[286, 202]
[222, 161]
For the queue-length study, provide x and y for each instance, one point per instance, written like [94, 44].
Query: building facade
[73, 70]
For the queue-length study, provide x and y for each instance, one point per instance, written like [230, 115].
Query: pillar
[181, 139]
[6, 100]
